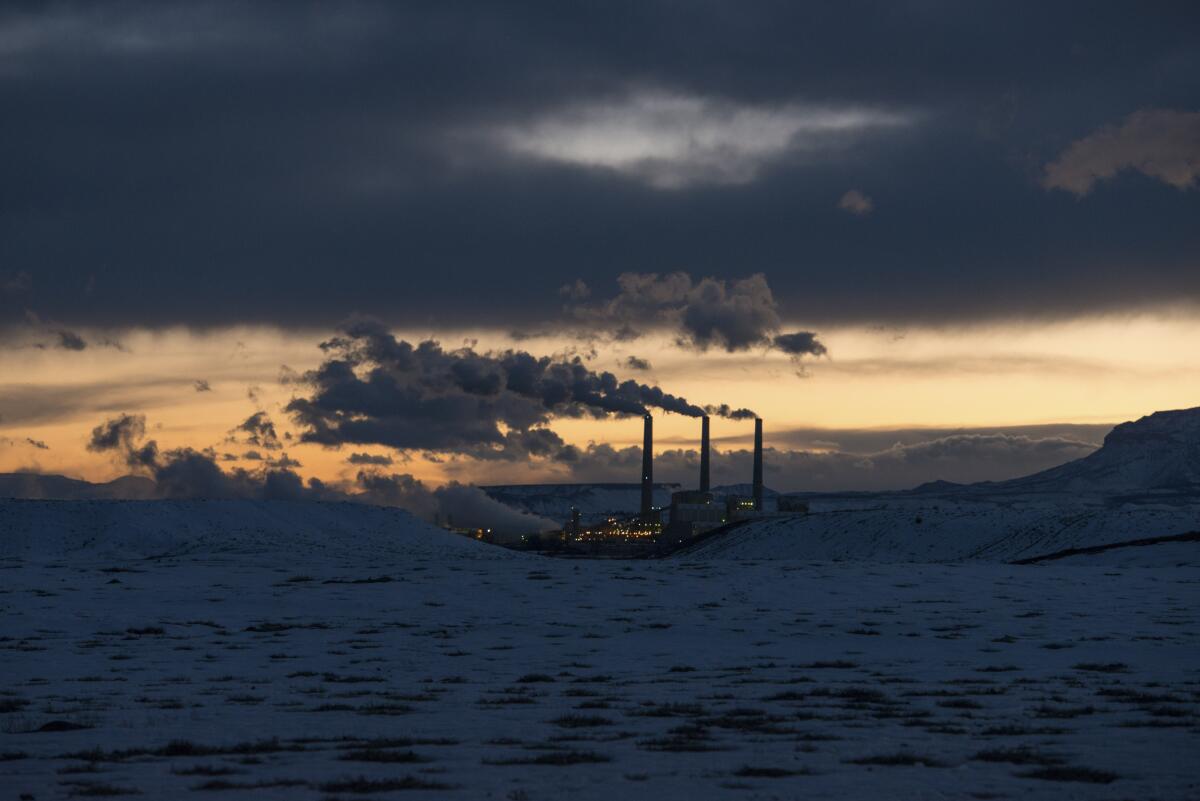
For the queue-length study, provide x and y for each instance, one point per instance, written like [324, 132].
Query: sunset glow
[1095, 371]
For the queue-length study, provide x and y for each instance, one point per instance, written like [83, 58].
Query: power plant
[695, 512]
[691, 512]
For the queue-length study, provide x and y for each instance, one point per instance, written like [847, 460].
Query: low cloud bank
[962, 458]
[191, 474]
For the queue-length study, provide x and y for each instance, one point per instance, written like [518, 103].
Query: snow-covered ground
[1144, 482]
[52, 530]
[432, 664]
[907, 528]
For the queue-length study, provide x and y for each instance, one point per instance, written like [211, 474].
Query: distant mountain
[1143, 483]
[1158, 453]
[41, 486]
[745, 490]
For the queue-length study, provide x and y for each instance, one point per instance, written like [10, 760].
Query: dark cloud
[375, 389]
[856, 202]
[117, 433]
[122, 435]
[577, 290]
[110, 342]
[1160, 143]
[186, 473]
[259, 431]
[14, 282]
[233, 141]
[799, 343]
[30, 441]
[710, 313]
[382, 460]
[636, 363]
[69, 340]
[734, 317]
[189, 473]
[724, 410]
[283, 462]
[62, 338]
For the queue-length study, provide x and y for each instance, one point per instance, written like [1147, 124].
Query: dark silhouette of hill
[48, 487]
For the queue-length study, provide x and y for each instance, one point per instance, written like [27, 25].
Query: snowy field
[451, 672]
[902, 529]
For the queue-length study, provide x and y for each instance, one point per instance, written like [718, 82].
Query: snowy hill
[1159, 452]
[1144, 482]
[915, 530]
[52, 530]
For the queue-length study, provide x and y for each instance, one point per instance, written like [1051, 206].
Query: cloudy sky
[922, 240]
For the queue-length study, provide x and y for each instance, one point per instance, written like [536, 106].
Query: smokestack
[704, 454]
[758, 484]
[648, 467]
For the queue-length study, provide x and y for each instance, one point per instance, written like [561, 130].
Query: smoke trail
[375, 389]
[723, 410]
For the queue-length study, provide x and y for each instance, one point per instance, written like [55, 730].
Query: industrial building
[691, 513]
[694, 512]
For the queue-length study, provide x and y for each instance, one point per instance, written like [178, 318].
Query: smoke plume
[732, 414]
[260, 431]
[375, 389]
[456, 505]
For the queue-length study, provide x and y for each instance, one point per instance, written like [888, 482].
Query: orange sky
[1088, 370]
